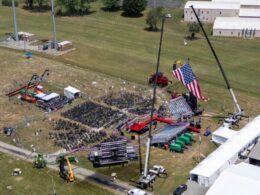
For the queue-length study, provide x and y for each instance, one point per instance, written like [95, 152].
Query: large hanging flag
[187, 77]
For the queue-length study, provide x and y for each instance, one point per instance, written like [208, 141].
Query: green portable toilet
[175, 148]
[181, 143]
[185, 139]
[190, 141]
[191, 136]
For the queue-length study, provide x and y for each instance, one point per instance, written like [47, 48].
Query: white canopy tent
[222, 134]
[227, 154]
[238, 179]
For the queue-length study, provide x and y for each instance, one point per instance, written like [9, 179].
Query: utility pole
[148, 143]
[140, 155]
[199, 145]
[54, 38]
[14, 20]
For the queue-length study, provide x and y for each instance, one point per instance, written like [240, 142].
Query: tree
[133, 7]
[9, 3]
[41, 3]
[29, 3]
[193, 29]
[153, 17]
[73, 7]
[111, 4]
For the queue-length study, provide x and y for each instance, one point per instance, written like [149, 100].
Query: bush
[193, 29]
[153, 17]
[111, 4]
[9, 3]
[133, 7]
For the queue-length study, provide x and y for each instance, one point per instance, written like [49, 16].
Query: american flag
[186, 76]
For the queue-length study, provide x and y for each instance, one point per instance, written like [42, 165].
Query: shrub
[9, 3]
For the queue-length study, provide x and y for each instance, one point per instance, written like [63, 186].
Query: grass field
[117, 46]
[34, 181]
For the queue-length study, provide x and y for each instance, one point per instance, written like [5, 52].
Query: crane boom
[70, 174]
[238, 109]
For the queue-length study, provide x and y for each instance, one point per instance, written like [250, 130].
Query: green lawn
[119, 46]
[110, 43]
[37, 182]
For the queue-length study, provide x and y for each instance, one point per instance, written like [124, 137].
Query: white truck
[136, 191]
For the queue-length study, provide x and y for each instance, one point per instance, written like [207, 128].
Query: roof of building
[247, 12]
[236, 23]
[228, 150]
[255, 152]
[212, 5]
[50, 96]
[25, 34]
[40, 95]
[72, 90]
[249, 2]
[238, 179]
[65, 43]
[168, 133]
[237, 1]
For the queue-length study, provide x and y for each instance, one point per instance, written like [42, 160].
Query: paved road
[117, 187]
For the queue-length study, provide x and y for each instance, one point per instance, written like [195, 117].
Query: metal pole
[199, 145]
[140, 155]
[14, 20]
[218, 62]
[147, 158]
[54, 38]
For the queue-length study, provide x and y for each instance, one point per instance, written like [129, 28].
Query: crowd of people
[94, 115]
[71, 135]
[135, 104]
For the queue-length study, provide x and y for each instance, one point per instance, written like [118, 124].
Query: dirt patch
[18, 178]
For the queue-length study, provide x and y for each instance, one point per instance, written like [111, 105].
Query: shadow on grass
[35, 9]
[132, 15]
[78, 14]
[149, 29]
[115, 9]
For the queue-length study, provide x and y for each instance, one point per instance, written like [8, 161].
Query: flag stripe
[187, 77]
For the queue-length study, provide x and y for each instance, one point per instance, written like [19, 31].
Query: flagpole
[218, 63]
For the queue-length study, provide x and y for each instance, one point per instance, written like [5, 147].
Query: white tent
[227, 154]
[71, 92]
[238, 179]
[222, 134]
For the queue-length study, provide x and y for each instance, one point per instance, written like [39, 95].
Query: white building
[238, 179]
[207, 171]
[208, 11]
[236, 26]
[239, 18]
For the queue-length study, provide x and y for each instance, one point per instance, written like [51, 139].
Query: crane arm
[70, 174]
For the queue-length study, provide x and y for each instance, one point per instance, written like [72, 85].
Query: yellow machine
[68, 175]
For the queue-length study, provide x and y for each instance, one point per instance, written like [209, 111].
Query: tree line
[79, 7]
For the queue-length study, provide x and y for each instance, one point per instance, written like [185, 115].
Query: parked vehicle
[179, 190]
[136, 191]
[159, 79]
[16, 172]
[158, 170]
